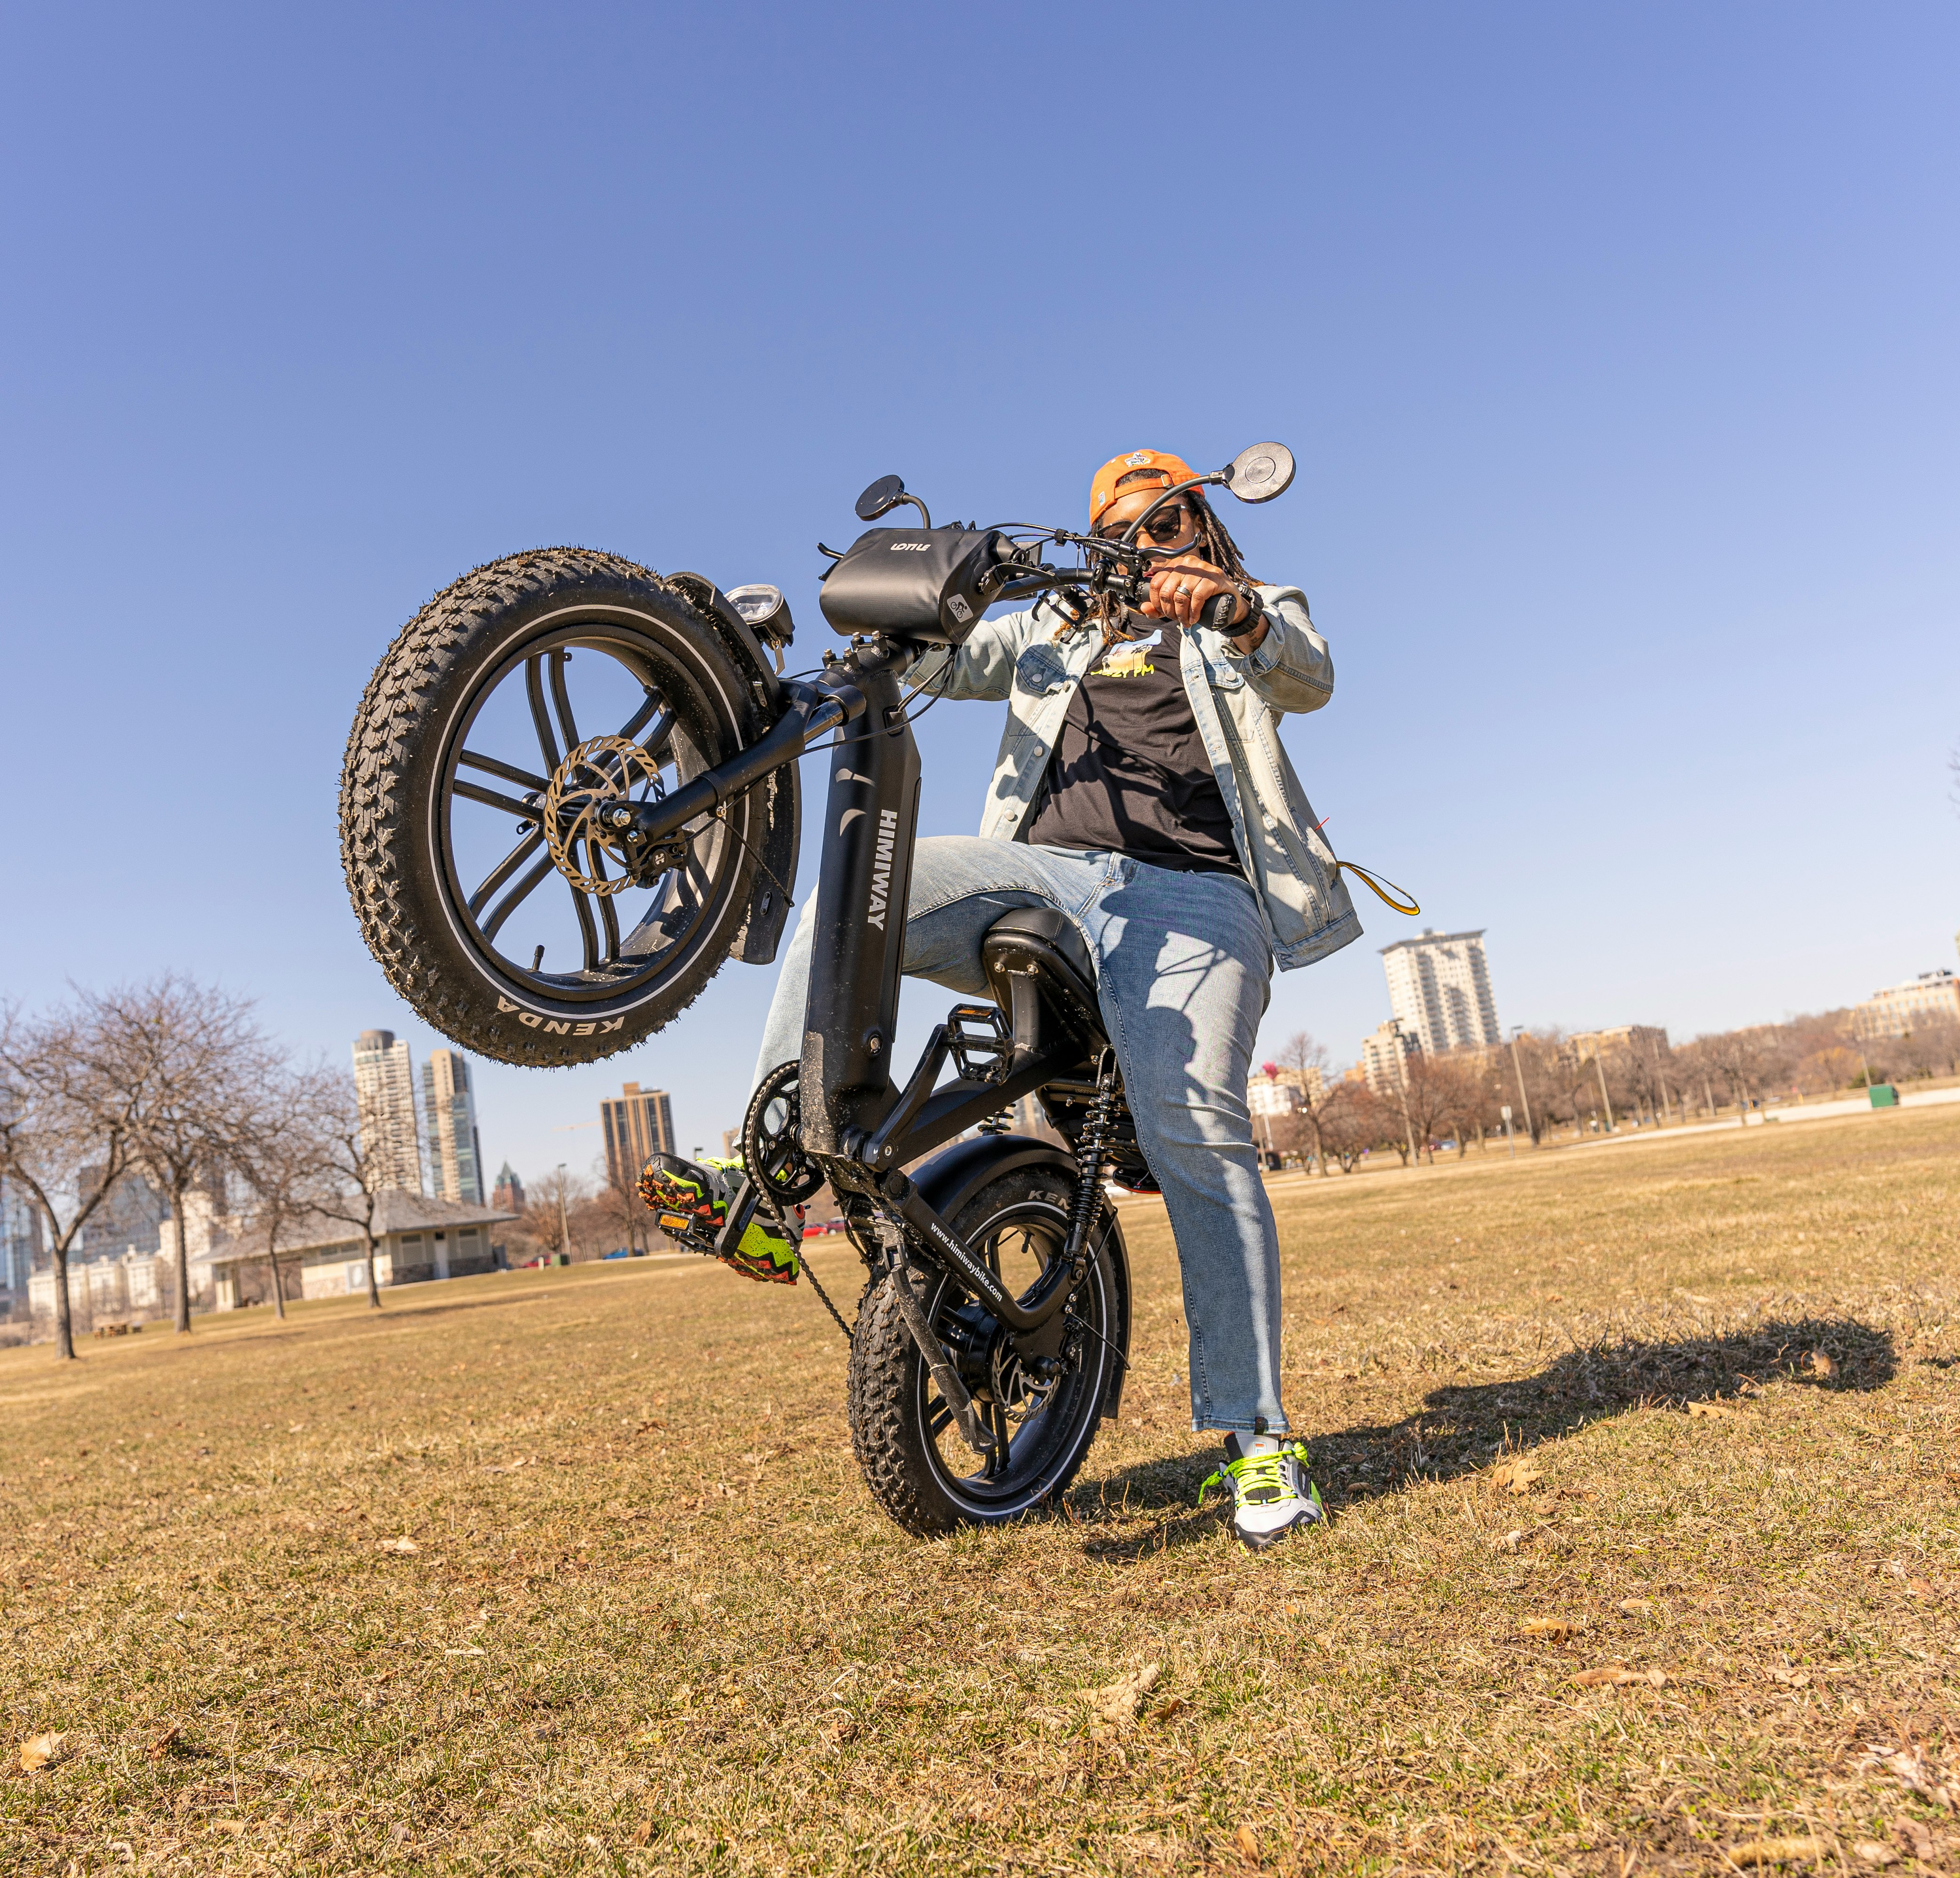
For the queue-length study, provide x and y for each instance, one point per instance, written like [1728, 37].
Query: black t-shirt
[1128, 773]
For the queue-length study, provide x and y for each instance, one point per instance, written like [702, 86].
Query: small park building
[417, 1238]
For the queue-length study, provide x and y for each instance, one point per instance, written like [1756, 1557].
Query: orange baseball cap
[1103, 487]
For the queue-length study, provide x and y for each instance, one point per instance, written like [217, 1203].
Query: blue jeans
[1183, 969]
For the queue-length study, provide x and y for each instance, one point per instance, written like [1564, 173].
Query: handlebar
[1130, 583]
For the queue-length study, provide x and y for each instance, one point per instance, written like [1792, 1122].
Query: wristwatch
[1256, 608]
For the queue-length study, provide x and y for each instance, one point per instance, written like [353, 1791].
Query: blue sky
[1616, 344]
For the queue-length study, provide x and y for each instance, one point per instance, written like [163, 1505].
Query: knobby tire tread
[880, 1393]
[377, 818]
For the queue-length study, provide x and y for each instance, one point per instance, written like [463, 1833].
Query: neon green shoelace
[1258, 1476]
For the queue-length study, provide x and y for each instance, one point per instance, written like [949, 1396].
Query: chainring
[772, 1151]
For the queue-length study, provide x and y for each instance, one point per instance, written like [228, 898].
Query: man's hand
[1180, 588]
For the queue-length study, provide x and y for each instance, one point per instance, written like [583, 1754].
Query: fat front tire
[475, 711]
[918, 1468]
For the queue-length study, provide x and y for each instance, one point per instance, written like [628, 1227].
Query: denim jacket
[1238, 701]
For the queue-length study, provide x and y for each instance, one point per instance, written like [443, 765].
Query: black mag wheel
[914, 1458]
[522, 700]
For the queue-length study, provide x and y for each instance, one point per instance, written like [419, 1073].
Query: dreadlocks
[1214, 544]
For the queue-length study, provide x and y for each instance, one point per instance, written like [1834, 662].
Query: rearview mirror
[881, 497]
[1256, 475]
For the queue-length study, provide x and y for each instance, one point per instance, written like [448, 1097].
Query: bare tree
[66, 1131]
[1435, 1094]
[1359, 1119]
[205, 1072]
[353, 1178]
[1535, 1062]
[619, 1208]
[289, 1163]
[1738, 1059]
[1306, 1064]
[1453, 1096]
[559, 1213]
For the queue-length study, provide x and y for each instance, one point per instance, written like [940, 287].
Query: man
[1142, 791]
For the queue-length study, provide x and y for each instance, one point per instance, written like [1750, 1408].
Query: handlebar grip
[1217, 611]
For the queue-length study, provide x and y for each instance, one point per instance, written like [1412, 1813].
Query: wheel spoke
[609, 915]
[587, 932]
[534, 693]
[509, 903]
[565, 721]
[997, 1422]
[939, 1418]
[505, 868]
[476, 792]
[634, 725]
[492, 766]
[613, 764]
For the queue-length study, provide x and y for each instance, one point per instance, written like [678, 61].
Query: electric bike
[544, 895]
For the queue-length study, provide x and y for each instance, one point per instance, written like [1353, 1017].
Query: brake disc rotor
[1019, 1394]
[598, 775]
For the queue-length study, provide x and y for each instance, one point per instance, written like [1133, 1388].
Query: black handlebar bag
[917, 584]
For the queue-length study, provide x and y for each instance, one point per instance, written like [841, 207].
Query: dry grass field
[1645, 1471]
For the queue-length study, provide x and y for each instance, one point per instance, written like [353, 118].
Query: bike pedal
[741, 1210]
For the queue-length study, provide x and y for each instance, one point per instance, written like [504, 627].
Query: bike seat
[1038, 942]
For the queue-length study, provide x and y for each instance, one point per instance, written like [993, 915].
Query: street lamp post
[1517, 1030]
[1600, 1070]
[1401, 1090]
[564, 1224]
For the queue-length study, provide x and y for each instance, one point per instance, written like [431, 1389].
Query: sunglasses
[1166, 528]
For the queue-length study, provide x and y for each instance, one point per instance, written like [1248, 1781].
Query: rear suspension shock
[1092, 1153]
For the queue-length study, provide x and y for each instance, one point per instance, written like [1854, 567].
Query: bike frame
[860, 1126]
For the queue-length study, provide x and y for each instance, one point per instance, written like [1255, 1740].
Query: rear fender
[955, 1174]
[782, 791]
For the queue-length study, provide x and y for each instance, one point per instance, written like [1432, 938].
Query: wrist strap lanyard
[1387, 894]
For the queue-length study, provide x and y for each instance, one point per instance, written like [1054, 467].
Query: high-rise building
[19, 1242]
[130, 1215]
[635, 1124]
[1384, 1051]
[1439, 989]
[384, 1081]
[455, 1153]
[509, 1195]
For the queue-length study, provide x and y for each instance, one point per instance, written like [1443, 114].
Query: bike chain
[766, 1194]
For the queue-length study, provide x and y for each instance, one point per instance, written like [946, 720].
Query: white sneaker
[1271, 1492]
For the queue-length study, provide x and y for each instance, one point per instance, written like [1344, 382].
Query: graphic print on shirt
[1127, 661]
[1129, 773]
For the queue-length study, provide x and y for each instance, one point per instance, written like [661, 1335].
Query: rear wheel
[915, 1460]
[518, 705]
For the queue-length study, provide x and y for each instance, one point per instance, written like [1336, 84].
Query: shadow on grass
[1461, 1427]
